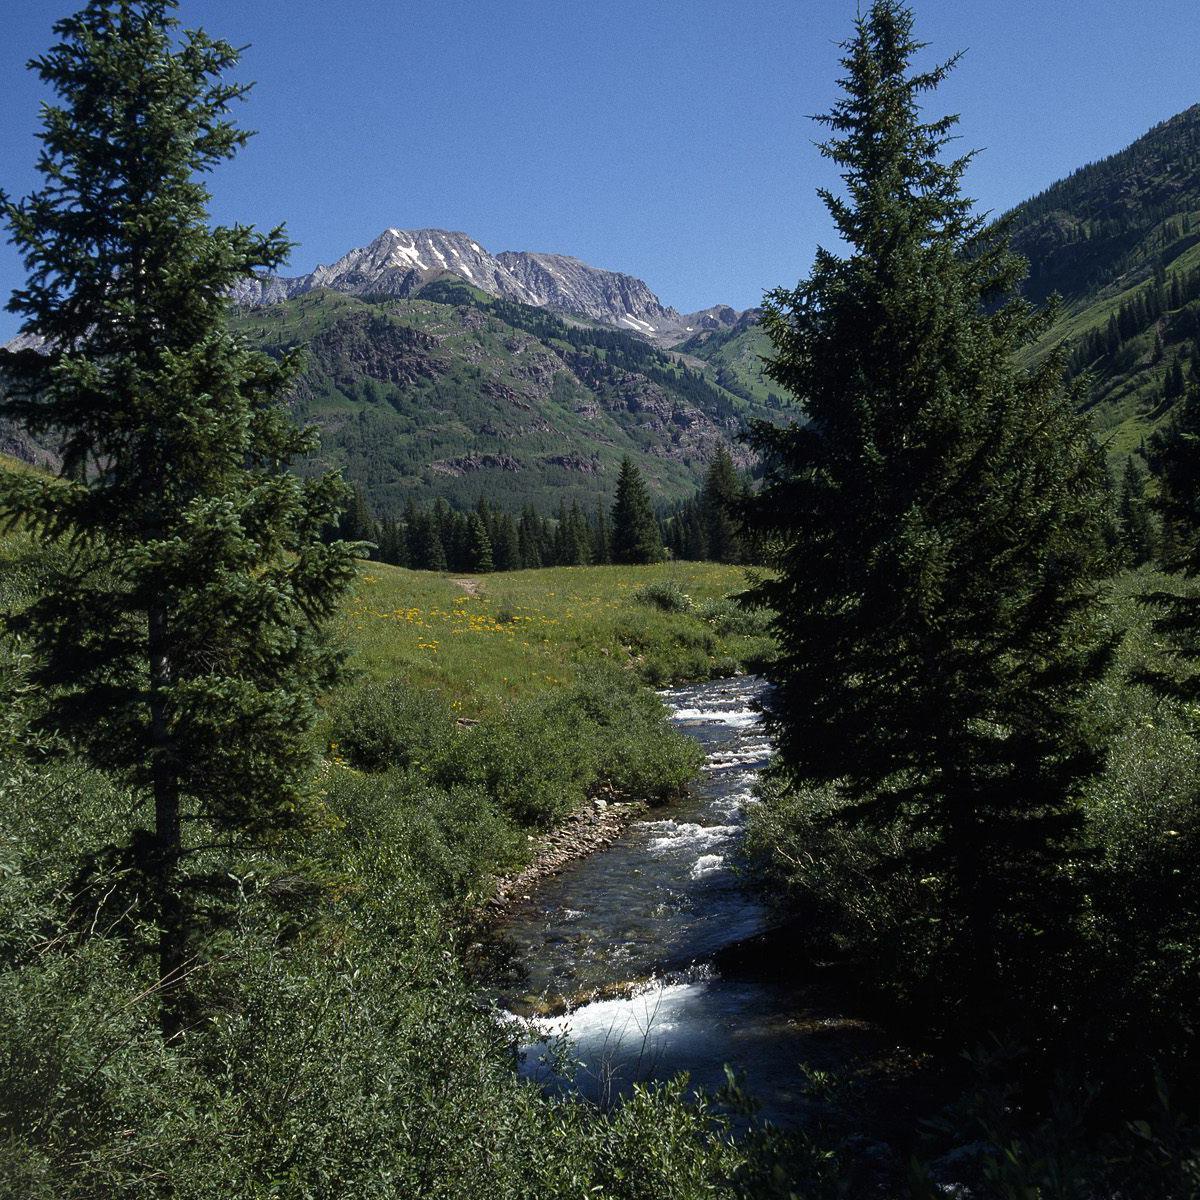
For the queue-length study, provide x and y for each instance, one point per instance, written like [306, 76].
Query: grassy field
[487, 639]
[490, 638]
[15, 465]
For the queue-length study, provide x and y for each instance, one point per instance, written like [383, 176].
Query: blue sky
[666, 138]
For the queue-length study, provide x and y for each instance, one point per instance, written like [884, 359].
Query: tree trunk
[167, 834]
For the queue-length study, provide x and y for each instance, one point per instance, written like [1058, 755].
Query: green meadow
[483, 640]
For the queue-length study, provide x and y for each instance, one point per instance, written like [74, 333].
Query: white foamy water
[687, 836]
[665, 894]
[624, 1038]
[739, 718]
[725, 759]
[707, 864]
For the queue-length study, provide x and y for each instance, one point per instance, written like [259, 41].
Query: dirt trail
[471, 586]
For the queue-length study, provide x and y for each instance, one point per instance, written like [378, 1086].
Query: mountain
[1119, 241]
[455, 393]
[437, 368]
[401, 263]
[1115, 219]
[732, 347]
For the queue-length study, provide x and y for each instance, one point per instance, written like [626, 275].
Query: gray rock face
[564, 283]
[720, 316]
[400, 262]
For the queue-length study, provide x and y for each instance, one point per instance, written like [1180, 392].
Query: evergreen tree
[635, 535]
[180, 645]
[601, 546]
[1175, 460]
[356, 523]
[392, 546]
[1174, 385]
[506, 546]
[1133, 515]
[531, 535]
[939, 524]
[450, 535]
[721, 491]
[477, 555]
[425, 543]
[577, 538]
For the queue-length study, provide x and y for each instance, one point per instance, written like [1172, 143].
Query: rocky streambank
[584, 832]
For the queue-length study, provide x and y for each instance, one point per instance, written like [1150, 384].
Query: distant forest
[437, 537]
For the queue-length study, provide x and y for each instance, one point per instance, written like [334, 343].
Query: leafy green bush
[448, 842]
[856, 902]
[665, 595]
[350, 1058]
[379, 725]
[633, 749]
[541, 759]
[527, 760]
[728, 616]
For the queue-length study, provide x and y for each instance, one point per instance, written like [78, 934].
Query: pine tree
[1175, 461]
[506, 546]
[721, 491]
[180, 645]
[532, 537]
[601, 543]
[1174, 384]
[356, 523]
[425, 542]
[938, 522]
[477, 555]
[635, 534]
[392, 546]
[1133, 515]
[577, 538]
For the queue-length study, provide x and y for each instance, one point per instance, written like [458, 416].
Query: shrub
[354, 1059]
[729, 616]
[376, 725]
[448, 843]
[527, 760]
[665, 595]
[542, 758]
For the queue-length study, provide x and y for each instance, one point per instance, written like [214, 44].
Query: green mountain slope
[456, 394]
[452, 392]
[735, 357]
[1119, 241]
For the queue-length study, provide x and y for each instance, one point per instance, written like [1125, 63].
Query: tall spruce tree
[1135, 528]
[601, 543]
[180, 645]
[722, 489]
[939, 523]
[1175, 460]
[635, 535]
[477, 553]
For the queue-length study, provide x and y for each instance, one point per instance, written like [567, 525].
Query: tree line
[487, 538]
[1142, 311]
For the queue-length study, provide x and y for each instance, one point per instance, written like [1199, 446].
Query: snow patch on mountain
[399, 262]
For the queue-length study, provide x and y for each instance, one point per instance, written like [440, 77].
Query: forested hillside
[1119, 241]
[735, 356]
[461, 396]
[457, 394]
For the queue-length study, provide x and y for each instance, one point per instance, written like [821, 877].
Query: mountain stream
[624, 964]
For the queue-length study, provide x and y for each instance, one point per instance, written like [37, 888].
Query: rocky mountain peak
[399, 262]
[564, 283]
